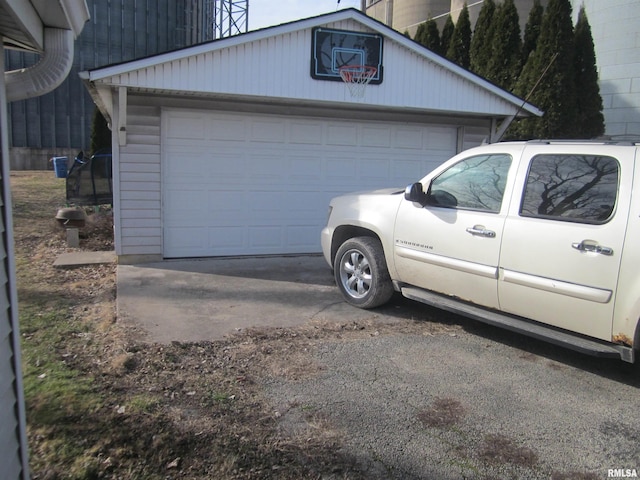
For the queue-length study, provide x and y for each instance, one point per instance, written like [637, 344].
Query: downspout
[46, 75]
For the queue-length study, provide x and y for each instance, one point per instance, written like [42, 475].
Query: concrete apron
[208, 299]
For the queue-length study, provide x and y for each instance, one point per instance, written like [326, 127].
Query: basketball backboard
[332, 49]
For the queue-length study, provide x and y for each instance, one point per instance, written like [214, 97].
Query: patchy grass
[101, 404]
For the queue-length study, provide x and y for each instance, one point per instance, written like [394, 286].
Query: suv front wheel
[361, 273]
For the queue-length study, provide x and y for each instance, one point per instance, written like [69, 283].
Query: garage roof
[273, 65]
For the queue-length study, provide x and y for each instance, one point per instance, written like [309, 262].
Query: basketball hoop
[357, 77]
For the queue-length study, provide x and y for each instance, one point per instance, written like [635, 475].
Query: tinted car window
[578, 188]
[476, 183]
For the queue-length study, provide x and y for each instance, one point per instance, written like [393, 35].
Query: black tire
[361, 273]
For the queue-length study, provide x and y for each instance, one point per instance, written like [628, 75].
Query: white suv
[538, 237]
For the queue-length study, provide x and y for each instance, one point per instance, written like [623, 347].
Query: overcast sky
[265, 13]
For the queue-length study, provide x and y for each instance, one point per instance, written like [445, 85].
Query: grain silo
[406, 15]
[59, 123]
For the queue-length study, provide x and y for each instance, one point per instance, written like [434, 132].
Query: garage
[237, 184]
[235, 146]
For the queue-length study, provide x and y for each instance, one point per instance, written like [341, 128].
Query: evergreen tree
[460, 44]
[504, 65]
[428, 35]
[100, 133]
[590, 119]
[479, 51]
[532, 30]
[421, 33]
[447, 33]
[555, 91]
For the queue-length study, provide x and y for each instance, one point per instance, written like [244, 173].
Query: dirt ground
[428, 395]
[101, 403]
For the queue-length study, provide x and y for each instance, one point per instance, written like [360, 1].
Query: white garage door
[246, 184]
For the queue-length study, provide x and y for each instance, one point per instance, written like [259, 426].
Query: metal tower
[230, 17]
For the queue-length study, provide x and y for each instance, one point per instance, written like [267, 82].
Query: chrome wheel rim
[355, 274]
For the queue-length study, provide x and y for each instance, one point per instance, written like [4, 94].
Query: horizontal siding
[9, 445]
[140, 182]
[140, 167]
[10, 460]
[140, 223]
[279, 67]
[140, 195]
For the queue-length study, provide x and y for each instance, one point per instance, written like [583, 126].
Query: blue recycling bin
[60, 166]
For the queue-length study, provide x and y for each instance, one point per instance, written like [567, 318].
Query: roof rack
[631, 140]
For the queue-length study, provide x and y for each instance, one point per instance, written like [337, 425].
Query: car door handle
[587, 246]
[481, 231]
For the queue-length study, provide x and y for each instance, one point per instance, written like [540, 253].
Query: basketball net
[357, 77]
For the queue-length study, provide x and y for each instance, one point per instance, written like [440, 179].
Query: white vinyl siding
[279, 67]
[9, 440]
[139, 183]
[11, 400]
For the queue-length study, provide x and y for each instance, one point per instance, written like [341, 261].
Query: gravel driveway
[468, 402]
[410, 392]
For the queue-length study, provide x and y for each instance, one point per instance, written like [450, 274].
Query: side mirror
[415, 193]
[441, 198]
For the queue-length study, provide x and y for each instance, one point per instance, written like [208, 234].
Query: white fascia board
[77, 13]
[63, 14]
[101, 96]
[25, 15]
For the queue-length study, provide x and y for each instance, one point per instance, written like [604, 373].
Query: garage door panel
[439, 138]
[261, 184]
[309, 133]
[226, 206]
[186, 126]
[185, 239]
[229, 129]
[408, 138]
[305, 169]
[341, 171]
[376, 137]
[413, 168]
[374, 170]
[343, 134]
[266, 238]
[302, 238]
[180, 200]
[306, 206]
[268, 168]
[226, 239]
[269, 206]
[268, 131]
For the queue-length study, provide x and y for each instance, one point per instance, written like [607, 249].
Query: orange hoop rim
[357, 73]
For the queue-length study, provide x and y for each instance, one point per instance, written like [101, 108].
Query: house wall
[13, 441]
[137, 187]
